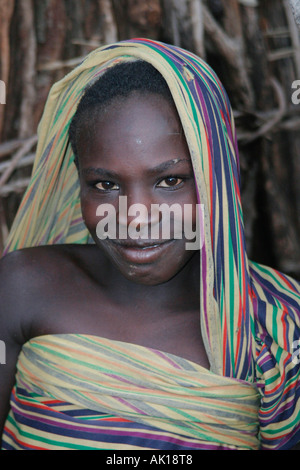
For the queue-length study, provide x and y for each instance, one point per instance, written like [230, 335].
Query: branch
[16, 158]
[196, 9]
[295, 5]
[232, 51]
[248, 137]
[227, 46]
[110, 33]
[28, 72]
[6, 11]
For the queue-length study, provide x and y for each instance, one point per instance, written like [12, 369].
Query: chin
[147, 275]
[153, 274]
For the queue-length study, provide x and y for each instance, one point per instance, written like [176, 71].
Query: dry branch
[60, 64]
[196, 15]
[270, 123]
[28, 73]
[15, 187]
[6, 10]
[295, 5]
[231, 50]
[110, 33]
[294, 33]
[16, 158]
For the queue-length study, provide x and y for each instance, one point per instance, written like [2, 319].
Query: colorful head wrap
[250, 314]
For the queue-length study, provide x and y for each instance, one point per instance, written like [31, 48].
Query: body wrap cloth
[86, 392]
[249, 314]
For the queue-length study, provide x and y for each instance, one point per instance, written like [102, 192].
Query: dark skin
[147, 296]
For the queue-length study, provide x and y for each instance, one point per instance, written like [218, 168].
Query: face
[134, 160]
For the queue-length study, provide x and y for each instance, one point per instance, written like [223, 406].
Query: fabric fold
[96, 378]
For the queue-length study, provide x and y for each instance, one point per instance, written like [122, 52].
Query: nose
[135, 214]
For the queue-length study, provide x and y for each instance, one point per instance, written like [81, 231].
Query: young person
[131, 342]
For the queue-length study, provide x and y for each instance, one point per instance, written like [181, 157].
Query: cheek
[99, 217]
[197, 209]
[88, 209]
[191, 211]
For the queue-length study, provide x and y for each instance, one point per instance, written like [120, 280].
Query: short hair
[118, 81]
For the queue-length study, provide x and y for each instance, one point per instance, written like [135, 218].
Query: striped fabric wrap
[249, 314]
[161, 401]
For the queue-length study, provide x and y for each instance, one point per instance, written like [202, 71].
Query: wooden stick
[16, 158]
[6, 12]
[295, 5]
[271, 123]
[28, 72]
[282, 53]
[10, 146]
[28, 160]
[110, 33]
[277, 33]
[294, 32]
[196, 14]
[17, 186]
[59, 64]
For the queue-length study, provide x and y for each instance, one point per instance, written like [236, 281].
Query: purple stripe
[94, 428]
[76, 221]
[167, 359]
[124, 402]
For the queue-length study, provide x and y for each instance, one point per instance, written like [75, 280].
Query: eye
[170, 181]
[107, 186]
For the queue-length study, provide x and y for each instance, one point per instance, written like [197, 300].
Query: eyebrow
[167, 165]
[152, 171]
[98, 172]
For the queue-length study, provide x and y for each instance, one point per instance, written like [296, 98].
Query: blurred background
[253, 45]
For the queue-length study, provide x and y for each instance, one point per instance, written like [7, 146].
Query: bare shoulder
[30, 267]
[27, 278]
[18, 286]
[34, 284]
[13, 282]
[36, 263]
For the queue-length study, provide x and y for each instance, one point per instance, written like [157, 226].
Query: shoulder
[14, 276]
[29, 278]
[28, 267]
[28, 263]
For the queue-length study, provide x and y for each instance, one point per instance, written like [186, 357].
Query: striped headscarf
[250, 314]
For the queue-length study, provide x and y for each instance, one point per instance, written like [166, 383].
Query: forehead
[138, 112]
[134, 129]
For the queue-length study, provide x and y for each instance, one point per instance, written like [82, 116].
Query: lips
[141, 251]
[139, 243]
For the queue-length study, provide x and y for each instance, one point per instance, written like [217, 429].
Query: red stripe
[25, 444]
